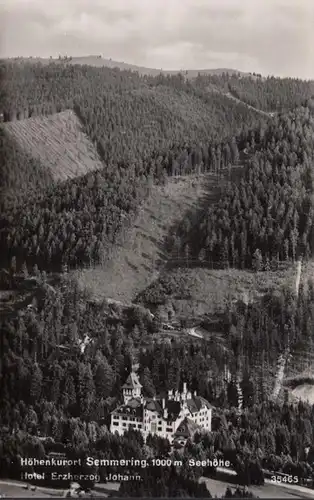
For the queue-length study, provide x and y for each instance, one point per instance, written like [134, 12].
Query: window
[153, 427]
[169, 429]
[115, 423]
[159, 427]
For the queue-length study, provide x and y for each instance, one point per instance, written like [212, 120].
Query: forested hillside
[51, 385]
[126, 115]
[21, 174]
[268, 94]
[146, 126]
[268, 218]
[76, 222]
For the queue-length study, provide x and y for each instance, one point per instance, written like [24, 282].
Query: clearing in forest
[59, 142]
[138, 262]
[194, 291]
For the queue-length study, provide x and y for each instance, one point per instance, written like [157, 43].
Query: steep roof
[173, 408]
[187, 428]
[132, 382]
[133, 407]
[196, 403]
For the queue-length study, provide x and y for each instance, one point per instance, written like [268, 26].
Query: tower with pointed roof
[161, 415]
[132, 388]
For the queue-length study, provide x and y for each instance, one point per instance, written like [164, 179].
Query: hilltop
[99, 61]
[188, 73]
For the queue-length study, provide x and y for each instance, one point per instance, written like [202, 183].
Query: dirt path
[265, 113]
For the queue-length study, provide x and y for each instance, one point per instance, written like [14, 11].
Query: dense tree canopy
[268, 215]
[268, 94]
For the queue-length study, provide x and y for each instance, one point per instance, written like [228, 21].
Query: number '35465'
[285, 479]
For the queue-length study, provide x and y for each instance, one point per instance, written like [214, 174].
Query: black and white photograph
[157, 249]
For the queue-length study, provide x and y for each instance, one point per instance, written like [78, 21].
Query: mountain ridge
[99, 61]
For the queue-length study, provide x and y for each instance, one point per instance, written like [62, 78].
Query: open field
[59, 142]
[139, 261]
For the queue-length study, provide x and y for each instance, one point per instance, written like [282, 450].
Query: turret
[132, 388]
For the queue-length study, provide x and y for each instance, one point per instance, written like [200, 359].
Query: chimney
[163, 403]
[195, 394]
[184, 388]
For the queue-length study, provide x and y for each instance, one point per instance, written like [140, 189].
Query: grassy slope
[59, 142]
[134, 265]
[210, 289]
[142, 260]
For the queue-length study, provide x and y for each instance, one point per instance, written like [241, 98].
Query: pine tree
[104, 379]
[36, 384]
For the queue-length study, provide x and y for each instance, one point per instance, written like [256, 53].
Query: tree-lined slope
[268, 94]
[74, 223]
[22, 176]
[128, 116]
[58, 142]
[269, 217]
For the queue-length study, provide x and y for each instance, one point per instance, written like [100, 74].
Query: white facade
[159, 416]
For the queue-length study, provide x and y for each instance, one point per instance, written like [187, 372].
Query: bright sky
[266, 36]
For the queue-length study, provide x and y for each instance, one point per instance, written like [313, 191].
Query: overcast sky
[266, 36]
